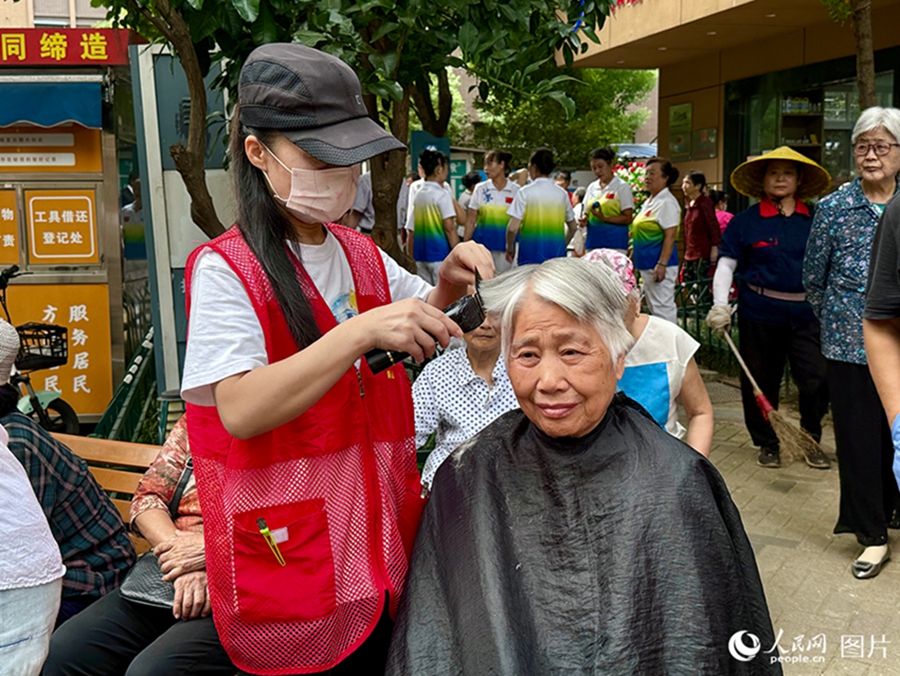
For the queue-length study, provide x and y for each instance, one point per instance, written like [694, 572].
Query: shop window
[763, 123]
[86, 15]
[51, 13]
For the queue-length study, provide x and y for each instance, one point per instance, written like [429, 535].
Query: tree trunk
[434, 122]
[388, 171]
[190, 161]
[865, 53]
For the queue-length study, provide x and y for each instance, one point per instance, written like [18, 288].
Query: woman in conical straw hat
[765, 244]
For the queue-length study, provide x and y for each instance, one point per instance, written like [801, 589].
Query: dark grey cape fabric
[617, 553]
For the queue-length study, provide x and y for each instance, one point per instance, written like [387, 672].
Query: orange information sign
[85, 381]
[65, 148]
[9, 228]
[62, 227]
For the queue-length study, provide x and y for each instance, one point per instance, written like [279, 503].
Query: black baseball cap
[314, 99]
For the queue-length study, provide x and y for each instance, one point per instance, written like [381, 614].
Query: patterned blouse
[836, 267]
[157, 486]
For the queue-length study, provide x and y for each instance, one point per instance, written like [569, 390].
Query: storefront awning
[47, 104]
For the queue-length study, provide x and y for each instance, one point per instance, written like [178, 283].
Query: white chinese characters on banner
[62, 226]
[51, 383]
[86, 380]
[9, 228]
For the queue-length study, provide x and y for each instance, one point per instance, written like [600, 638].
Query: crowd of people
[565, 520]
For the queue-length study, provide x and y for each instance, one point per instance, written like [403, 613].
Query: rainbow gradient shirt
[492, 205]
[431, 206]
[615, 198]
[657, 213]
[544, 208]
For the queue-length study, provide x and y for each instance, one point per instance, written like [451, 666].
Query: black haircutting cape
[620, 552]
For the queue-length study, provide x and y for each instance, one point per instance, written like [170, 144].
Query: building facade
[740, 77]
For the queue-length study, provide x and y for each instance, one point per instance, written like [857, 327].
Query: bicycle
[41, 346]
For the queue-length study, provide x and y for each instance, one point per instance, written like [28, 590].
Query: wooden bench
[118, 467]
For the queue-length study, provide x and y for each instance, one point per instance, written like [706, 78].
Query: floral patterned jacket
[157, 486]
[836, 267]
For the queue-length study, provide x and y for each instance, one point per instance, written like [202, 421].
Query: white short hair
[590, 293]
[872, 118]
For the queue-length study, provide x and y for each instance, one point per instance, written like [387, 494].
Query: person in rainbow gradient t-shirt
[540, 214]
[487, 219]
[653, 232]
[431, 225]
[608, 204]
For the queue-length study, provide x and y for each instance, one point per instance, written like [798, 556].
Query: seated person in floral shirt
[117, 635]
[92, 538]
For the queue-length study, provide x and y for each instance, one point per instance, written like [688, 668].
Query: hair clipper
[468, 312]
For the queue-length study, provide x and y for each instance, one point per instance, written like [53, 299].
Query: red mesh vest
[337, 486]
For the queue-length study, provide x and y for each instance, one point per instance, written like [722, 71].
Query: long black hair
[266, 230]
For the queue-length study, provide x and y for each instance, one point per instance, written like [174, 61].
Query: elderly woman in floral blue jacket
[834, 274]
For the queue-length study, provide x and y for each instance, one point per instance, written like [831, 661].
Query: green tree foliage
[400, 48]
[601, 117]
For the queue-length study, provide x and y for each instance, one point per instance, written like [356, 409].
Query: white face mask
[318, 195]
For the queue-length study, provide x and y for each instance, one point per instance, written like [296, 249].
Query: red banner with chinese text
[63, 47]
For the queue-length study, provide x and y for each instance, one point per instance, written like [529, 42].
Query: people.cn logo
[740, 650]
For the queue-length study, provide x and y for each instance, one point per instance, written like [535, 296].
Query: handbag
[144, 583]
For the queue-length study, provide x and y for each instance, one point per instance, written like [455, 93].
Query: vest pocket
[300, 590]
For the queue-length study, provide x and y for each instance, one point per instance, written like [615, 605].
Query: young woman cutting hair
[305, 459]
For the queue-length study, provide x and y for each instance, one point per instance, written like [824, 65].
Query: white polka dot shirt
[452, 400]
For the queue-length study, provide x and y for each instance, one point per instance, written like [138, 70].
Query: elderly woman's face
[872, 166]
[560, 369]
[654, 178]
[485, 338]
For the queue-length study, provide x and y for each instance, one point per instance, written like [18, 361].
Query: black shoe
[817, 459]
[863, 570]
[895, 520]
[769, 456]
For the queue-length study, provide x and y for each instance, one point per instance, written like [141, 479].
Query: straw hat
[747, 179]
[9, 350]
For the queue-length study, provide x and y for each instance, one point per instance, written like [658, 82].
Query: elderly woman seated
[576, 535]
[144, 628]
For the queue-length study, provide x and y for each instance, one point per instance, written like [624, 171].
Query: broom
[795, 442]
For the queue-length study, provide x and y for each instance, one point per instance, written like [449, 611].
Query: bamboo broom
[795, 442]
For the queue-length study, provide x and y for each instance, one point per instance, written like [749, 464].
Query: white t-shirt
[129, 215]
[225, 334]
[414, 189]
[363, 205]
[429, 197]
[29, 556]
[617, 187]
[654, 371]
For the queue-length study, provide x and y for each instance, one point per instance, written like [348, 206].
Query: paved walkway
[789, 514]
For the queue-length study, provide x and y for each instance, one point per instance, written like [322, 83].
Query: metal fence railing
[694, 300]
[133, 399]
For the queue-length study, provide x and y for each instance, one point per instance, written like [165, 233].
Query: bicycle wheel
[63, 418]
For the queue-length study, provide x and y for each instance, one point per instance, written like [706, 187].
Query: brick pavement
[789, 514]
